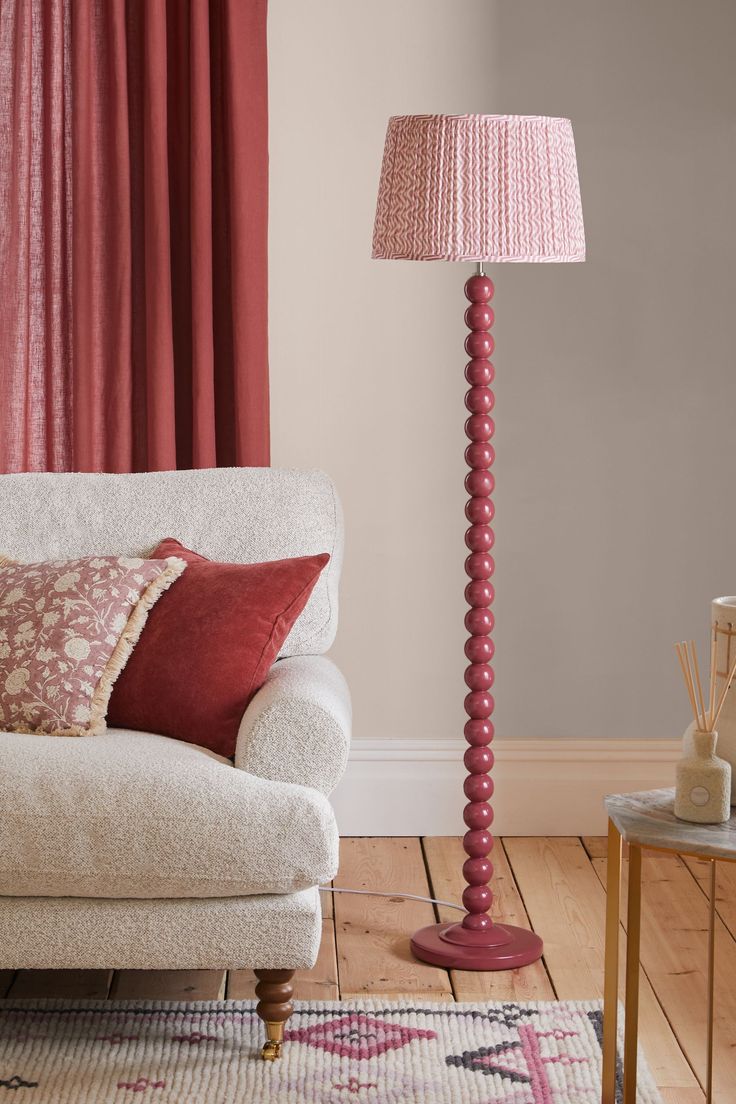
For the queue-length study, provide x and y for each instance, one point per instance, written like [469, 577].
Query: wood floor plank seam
[430, 882]
[435, 908]
[520, 891]
[333, 917]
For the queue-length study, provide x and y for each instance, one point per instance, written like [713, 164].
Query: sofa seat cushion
[136, 815]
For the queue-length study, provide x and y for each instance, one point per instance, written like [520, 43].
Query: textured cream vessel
[703, 791]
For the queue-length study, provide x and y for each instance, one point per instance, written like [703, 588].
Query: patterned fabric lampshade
[479, 188]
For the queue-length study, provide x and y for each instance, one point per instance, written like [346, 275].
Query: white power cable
[405, 896]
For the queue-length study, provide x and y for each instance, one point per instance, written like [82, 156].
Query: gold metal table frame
[633, 937]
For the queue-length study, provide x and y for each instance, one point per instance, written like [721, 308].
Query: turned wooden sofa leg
[274, 991]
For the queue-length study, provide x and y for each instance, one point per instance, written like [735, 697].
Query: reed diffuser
[703, 790]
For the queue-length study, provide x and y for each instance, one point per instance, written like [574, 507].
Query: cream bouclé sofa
[132, 850]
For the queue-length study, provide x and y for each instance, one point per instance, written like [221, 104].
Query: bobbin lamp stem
[477, 943]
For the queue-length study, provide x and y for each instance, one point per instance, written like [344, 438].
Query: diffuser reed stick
[679, 648]
[701, 703]
[705, 719]
[712, 694]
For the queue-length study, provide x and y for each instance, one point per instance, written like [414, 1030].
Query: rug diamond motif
[358, 1036]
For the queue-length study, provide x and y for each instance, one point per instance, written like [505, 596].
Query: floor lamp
[480, 188]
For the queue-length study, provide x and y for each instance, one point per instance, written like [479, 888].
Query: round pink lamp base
[504, 947]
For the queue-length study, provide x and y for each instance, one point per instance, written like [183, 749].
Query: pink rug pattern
[94, 1052]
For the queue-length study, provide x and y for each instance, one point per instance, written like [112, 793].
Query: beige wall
[616, 389]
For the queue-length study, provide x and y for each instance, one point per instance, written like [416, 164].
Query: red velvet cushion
[208, 646]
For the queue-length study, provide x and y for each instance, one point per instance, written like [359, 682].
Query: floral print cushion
[67, 628]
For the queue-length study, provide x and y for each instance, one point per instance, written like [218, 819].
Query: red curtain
[133, 232]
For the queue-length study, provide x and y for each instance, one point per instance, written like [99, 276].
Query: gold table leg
[633, 933]
[610, 977]
[711, 981]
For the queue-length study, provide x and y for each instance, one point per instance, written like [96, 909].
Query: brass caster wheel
[271, 1051]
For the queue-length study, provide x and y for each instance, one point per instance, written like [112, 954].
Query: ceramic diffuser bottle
[703, 790]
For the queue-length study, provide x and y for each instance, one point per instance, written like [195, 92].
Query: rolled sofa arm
[297, 727]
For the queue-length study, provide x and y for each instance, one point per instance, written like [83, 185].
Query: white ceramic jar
[703, 787]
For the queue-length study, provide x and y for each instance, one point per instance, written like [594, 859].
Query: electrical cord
[406, 896]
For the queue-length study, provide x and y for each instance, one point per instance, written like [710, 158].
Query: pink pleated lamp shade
[479, 188]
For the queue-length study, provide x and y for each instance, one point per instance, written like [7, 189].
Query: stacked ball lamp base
[476, 942]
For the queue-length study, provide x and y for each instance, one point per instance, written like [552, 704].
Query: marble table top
[648, 818]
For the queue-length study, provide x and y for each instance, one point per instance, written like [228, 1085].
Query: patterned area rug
[57, 1052]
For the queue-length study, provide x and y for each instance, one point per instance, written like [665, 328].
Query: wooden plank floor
[555, 885]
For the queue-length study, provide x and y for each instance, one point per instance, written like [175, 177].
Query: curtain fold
[200, 183]
[133, 234]
[35, 236]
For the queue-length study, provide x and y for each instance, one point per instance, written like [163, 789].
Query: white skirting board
[542, 787]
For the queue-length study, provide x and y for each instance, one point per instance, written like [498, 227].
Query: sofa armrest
[297, 727]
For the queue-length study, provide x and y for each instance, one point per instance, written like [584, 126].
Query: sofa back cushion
[235, 515]
[209, 649]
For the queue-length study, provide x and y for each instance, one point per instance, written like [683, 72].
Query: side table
[647, 819]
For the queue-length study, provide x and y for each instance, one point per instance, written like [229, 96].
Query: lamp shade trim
[479, 188]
